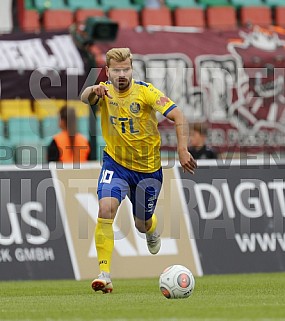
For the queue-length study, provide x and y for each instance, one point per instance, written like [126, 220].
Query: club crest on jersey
[135, 108]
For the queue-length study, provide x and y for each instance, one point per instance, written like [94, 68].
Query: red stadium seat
[156, 17]
[57, 19]
[189, 17]
[221, 17]
[126, 18]
[31, 21]
[255, 15]
[280, 16]
[82, 14]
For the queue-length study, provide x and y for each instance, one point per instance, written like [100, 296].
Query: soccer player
[131, 161]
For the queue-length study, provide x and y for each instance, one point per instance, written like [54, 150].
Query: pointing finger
[107, 93]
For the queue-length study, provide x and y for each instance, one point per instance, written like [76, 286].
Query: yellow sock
[104, 241]
[153, 224]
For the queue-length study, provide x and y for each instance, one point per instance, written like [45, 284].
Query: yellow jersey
[129, 125]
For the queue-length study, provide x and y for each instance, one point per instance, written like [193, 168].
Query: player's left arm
[182, 132]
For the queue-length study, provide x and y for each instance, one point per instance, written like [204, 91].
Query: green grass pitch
[241, 297]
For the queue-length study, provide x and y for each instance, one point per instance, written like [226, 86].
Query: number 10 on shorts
[106, 176]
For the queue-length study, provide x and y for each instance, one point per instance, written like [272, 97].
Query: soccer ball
[176, 282]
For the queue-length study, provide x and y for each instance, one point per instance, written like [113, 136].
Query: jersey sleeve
[158, 100]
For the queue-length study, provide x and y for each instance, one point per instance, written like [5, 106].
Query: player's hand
[187, 161]
[101, 91]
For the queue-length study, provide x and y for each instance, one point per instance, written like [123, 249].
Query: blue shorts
[142, 189]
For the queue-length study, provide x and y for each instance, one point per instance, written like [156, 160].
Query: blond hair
[119, 55]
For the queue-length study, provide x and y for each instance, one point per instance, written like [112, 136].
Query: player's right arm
[92, 94]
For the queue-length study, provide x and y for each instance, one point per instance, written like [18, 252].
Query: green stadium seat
[29, 5]
[30, 153]
[49, 127]
[173, 4]
[83, 4]
[2, 125]
[121, 4]
[83, 126]
[24, 138]
[42, 5]
[140, 3]
[275, 3]
[214, 3]
[23, 130]
[6, 152]
[247, 3]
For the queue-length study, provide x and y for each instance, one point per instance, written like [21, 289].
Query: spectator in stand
[198, 147]
[155, 4]
[68, 146]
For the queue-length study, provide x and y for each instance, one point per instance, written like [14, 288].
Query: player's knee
[107, 209]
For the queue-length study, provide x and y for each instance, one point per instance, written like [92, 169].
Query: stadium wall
[224, 219]
[234, 83]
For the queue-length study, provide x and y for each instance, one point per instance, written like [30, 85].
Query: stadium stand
[126, 18]
[255, 15]
[57, 19]
[221, 17]
[189, 17]
[41, 119]
[81, 15]
[156, 17]
[219, 13]
[279, 13]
